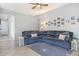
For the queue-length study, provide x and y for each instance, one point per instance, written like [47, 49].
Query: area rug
[45, 49]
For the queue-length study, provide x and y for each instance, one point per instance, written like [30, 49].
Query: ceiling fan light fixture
[38, 6]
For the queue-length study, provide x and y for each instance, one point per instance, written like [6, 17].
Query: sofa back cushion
[62, 37]
[28, 33]
[52, 34]
[42, 33]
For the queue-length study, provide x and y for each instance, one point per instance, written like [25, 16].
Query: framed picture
[0, 21]
[77, 19]
[73, 18]
[62, 19]
[48, 24]
[55, 20]
[54, 23]
[58, 22]
[48, 21]
[58, 25]
[62, 23]
[58, 18]
[51, 22]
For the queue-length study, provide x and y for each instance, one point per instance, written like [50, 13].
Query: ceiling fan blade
[34, 7]
[35, 3]
[44, 4]
[39, 4]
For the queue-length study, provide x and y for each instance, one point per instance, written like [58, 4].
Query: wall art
[58, 18]
[58, 22]
[55, 24]
[77, 19]
[0, 21]
[62, 23]
[55, 20]
[58, 25]
[72, 17]
[62, 19]
[51, 22]
[48, 24]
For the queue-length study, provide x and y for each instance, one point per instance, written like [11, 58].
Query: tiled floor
[8, 48]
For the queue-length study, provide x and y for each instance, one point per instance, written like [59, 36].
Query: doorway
[7, 27]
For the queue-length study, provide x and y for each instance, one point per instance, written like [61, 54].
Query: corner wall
[63, 12]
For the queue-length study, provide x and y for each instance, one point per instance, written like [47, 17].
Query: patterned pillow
[62, 37]
[34, 35]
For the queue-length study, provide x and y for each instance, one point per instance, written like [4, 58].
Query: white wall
[24, 22]
[11, 21]
[65, 12]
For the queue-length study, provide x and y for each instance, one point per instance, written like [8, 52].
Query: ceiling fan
[38, 5]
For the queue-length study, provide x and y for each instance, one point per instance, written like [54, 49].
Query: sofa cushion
[53, 33]
[62, 37]
[58, 42]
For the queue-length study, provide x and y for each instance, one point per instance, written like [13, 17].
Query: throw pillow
[62, 37]
[34, 35]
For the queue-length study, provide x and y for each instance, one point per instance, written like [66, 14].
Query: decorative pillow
[62, 37]
[34, 35]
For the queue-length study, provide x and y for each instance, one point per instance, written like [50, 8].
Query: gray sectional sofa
[49, 37]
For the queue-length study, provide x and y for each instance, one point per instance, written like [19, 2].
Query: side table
[74, 45]
[19, 41]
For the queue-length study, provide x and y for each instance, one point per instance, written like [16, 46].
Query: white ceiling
[26, 8]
